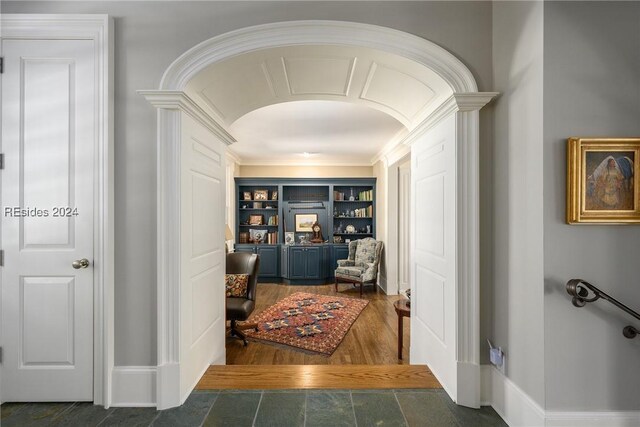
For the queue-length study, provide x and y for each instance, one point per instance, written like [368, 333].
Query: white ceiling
[344, 103]
[332, 132]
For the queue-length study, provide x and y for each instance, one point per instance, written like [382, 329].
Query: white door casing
[465, 102]
[56, 135]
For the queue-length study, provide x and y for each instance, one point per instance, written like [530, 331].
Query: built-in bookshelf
[267, 208]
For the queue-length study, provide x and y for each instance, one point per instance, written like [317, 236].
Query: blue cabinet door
[297, 263]
[284, 260]
[314, 263]
[339, 252]
[327, 256]
[269, 261]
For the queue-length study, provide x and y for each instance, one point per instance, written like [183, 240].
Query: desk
[402, 310]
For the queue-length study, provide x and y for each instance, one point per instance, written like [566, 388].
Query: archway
[178, 115]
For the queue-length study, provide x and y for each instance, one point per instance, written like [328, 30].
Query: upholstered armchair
[362, 265]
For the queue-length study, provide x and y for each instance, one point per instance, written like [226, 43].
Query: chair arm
[346, 263]
[371, 272]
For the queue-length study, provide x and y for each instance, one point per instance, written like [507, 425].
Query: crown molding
[234, 156]
[178, 100]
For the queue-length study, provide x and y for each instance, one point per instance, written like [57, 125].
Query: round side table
[402, 310]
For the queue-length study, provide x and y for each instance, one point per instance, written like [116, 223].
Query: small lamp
[228, 235]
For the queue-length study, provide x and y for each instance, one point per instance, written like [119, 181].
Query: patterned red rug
[311, 322]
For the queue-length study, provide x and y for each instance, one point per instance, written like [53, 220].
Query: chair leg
[361, 285]
[336, 284]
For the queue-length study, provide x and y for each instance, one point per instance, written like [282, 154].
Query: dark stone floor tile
[329, 408]
[10, 409]
[484, 417]
[82, 414]
[281, 410]
[233, 410]
[130, 417]
[425, 410]
[377, 409]
[191, 414]
[34, 414]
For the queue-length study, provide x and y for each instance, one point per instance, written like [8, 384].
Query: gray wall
[591, 88]
[149, 36]
[517, 315]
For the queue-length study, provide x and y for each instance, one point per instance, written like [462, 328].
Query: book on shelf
[337, 195]
[366, 196]
[243, 237]
[273, 220]
[272, 238]
[364, 212]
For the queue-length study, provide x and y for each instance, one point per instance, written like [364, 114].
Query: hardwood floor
[352, 377]
[372, 339]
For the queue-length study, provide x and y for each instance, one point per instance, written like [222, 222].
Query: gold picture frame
[603, 184]
[260, 194]
[304, 222]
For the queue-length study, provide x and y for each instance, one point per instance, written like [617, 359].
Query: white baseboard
[133, 386]
[519, 410]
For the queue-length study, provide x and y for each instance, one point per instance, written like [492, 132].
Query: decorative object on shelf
[257, 205]
[350, 229]
[289, 238]
[274, 195]
[352, 197]
[603, 180]
[302, 239]
[257, 236]
[347, 240]
[340, 228]
[337, 239]
[260, 194]
[304, 222]
[246, 195]
[256, 219]
[317, 233]
[352, 214]
[368, 228]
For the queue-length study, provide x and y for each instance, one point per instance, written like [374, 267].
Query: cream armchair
[362, 265]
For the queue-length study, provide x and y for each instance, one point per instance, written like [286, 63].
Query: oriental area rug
[309, 322]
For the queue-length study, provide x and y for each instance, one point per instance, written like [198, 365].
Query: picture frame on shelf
[337, 239]
[274, 195]
[257, 236]
[256, 219]
[603, 181]
[289, 238]
[304, 222]
[246, 195]
[261, 195]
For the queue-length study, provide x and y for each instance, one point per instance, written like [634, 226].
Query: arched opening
[441, 122]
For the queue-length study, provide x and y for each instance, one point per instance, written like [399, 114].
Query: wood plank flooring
[372, 340]
[352, 377]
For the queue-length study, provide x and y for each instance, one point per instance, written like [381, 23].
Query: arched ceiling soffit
[397, 86]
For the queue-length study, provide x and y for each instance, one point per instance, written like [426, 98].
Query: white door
[48, 136]
[433, 243]
[202, 295]
[404, 226]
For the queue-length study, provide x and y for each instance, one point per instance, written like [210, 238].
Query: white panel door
[202, 339]
[433, 243]
[49, 130]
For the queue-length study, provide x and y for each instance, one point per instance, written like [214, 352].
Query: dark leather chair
[239, 309]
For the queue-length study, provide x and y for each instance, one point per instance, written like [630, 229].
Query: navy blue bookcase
[267, 207]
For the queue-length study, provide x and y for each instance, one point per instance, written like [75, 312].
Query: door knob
[80, 263]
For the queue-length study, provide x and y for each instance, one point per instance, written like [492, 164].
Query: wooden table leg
[400, 333]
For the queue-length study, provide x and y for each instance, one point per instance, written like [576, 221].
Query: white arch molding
[170, 100]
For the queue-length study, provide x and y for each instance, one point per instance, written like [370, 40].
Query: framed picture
[289, 238]
[257, 236]
[603, 185]
[274, 195]
[246, 195]
[337, 239]
[256, 219]
[304, 222]
[260, 195]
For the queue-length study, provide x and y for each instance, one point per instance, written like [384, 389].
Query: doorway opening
[438, 111]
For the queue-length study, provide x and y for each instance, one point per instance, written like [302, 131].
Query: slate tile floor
[269, 408]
